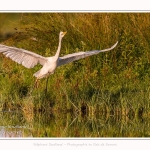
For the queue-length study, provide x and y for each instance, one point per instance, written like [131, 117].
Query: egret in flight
[30, 59]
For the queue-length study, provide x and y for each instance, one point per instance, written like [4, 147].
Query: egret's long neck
[59, 47]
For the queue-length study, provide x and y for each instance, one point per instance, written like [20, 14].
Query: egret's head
[61, 34]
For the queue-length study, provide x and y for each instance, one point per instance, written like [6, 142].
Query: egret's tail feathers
[36, 74]
[39, 75]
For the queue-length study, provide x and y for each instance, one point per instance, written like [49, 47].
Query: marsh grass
[116, 82]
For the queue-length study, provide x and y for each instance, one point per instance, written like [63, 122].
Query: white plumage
[30, 59]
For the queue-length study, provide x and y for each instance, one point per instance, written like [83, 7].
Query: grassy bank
[112, 82]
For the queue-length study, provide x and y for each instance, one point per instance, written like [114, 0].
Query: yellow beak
[64, 33]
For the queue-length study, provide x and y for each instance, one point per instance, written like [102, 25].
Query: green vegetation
[115, 82]
[16, 124]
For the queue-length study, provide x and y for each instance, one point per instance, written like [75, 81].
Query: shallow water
[16, 124]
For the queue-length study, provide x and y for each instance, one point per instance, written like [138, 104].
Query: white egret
[30, 59]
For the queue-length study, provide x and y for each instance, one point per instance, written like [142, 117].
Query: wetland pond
[18, 124]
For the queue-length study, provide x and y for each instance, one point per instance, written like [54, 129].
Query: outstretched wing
[26, 58]
[79, 55]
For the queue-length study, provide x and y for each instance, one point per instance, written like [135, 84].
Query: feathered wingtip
[108, 49]
[114, 45]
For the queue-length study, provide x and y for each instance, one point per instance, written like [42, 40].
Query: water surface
[18, 124]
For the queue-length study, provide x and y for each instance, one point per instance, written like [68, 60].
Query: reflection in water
[12, 131]
[16, 124]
